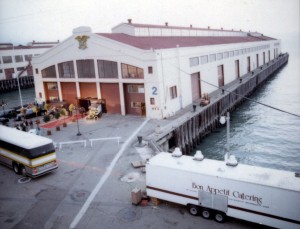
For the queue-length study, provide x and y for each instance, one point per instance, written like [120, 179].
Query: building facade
[14, 59]
[148, 70]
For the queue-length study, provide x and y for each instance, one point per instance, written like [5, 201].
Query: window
[150, 70]
[107, 69]
[242, 51]
[225, 55]
[1, 71]
[236, 52]
[66, 70]
[129, 71]
[20, 68]
[212, 57]
[152, 101]
[204, 59]
[28, 57]
[7, 59]
[49, 72]
[19, 58]
[231, 54]
[52, 86]
[219, 56]
[194, 61]
[36, 71]
[9, 73]
[173, 92]
[136, 89]
[85, 68]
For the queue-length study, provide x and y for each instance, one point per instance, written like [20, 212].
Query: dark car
[29, 114]
[4, 121]
[8, 113]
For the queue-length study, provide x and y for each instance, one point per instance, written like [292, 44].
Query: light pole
[15, 75]
[230, 159]
[78, 133]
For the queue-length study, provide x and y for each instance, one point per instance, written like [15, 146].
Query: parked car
[4, 121]
[8, 113]
[29, 114]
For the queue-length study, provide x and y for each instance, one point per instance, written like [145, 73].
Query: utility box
[136, 196]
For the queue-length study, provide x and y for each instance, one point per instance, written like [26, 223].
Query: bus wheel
[206, 213]
[22, 170]
[220, 217]
[16, 168]
[193, 209]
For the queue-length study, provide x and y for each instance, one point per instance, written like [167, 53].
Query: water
[12, 99]
[258, 135]
[262, 136]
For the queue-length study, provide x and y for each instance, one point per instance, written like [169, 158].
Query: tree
[71, 108]
[46, 107]
[35, 109]
[64, 113]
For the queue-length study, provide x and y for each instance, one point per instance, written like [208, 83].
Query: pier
[8, 85]
[188, 127]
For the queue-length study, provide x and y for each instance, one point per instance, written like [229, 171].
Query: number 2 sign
[154, 90]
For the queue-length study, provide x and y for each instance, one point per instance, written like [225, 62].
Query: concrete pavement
[56, 199]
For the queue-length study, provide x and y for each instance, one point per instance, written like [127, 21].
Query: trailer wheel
[193, 209]
[220, 217]
[206, 213]
[16, 168]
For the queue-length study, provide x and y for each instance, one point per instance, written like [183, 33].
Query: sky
[22, 21]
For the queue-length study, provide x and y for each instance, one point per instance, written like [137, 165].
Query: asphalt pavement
[92, 186]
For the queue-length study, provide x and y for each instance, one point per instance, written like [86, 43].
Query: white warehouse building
[148, 70]
[15, 59]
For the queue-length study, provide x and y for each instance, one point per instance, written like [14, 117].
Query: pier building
[149, 70]
[15, 60]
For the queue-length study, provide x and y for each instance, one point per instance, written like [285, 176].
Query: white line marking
[108, 171]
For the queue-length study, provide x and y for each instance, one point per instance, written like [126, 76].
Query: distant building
[148, 70]
[14, 59]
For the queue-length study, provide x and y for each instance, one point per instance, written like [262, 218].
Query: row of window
[10, 71]
[86, 69]
[195, 61]
[17, 59]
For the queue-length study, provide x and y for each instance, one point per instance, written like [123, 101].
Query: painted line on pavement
[101, 182]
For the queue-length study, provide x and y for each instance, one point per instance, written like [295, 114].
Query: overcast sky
[22, 21]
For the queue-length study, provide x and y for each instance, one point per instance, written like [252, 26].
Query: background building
[14, 59]
[148, 70]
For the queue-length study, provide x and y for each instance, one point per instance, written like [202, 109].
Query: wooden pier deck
[12, 84]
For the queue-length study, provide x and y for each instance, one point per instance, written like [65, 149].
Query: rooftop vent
[129, 21]
[166, 23]
[177, 152]
[297, 174]
[208, 27]
[191, 26]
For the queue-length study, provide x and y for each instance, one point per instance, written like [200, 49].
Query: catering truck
[215, 189]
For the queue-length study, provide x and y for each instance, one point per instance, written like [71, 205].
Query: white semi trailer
[215, 190]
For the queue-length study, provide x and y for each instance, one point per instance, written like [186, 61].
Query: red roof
[162, 42]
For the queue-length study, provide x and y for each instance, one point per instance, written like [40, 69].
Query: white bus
[25, 153]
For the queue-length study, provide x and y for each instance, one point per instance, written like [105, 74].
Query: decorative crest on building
[82, 41]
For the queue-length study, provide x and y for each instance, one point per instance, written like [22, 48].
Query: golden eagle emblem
[82, 41]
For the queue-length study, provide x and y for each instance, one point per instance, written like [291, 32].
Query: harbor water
[259, 135]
